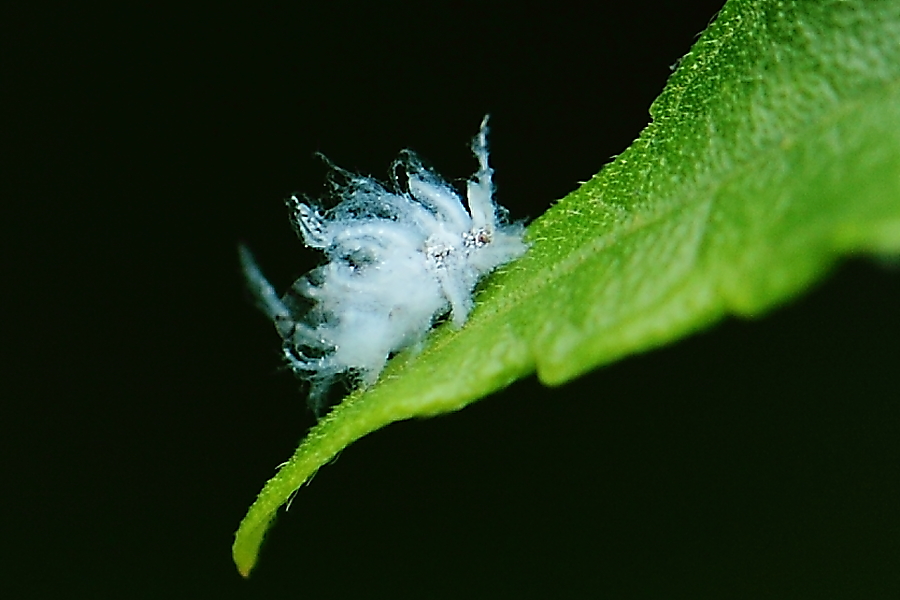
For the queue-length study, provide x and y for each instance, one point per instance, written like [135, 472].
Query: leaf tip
[247, 541]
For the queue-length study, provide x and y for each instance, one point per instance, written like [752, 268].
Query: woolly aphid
[398, 260]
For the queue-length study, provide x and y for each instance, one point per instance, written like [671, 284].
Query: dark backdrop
[144, 406]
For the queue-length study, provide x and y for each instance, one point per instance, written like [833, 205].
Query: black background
[144, 406]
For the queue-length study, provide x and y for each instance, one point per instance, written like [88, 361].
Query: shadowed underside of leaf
[773, 150]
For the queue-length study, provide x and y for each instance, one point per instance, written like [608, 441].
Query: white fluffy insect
[399, 259]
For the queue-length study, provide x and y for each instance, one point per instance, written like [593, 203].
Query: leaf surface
[773, 151]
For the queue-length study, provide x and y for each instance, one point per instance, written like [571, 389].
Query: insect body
[398, 259]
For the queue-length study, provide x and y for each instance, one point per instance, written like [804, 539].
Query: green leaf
[773, 150]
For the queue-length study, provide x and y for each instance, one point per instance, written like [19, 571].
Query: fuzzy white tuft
[399, 260]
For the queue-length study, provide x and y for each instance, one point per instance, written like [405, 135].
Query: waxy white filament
[398, 260]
